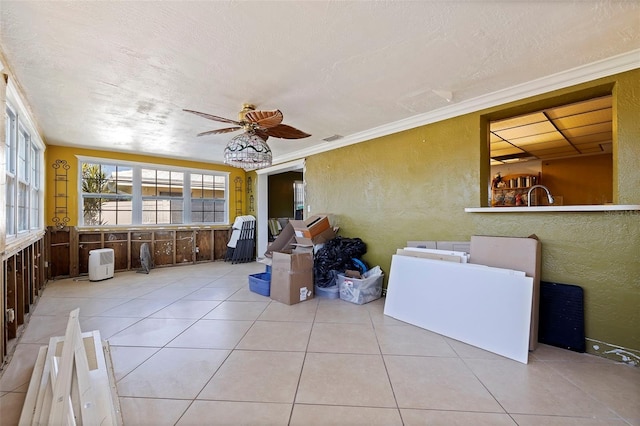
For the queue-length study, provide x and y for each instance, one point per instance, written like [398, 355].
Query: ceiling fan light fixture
[247, 151]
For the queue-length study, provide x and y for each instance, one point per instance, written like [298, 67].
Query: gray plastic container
[360, 290]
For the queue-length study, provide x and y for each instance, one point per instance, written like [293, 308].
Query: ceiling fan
[249, 150]
[262, 123]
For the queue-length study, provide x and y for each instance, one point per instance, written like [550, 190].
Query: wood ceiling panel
[507, 151]
[500, 145]
[555, 152]
[586, 119]
[593, 150]
[589, 130]
[546, 137]
[589, 147]
[494, 138]
[525, 131]
[522, 120]
[598, 138]
[580, 107]
[547, 145]
[584, 128]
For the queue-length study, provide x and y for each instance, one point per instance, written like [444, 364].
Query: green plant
[94, 181]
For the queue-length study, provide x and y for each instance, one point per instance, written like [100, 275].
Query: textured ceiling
[116, 75]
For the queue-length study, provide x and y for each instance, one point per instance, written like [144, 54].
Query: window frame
[506, 112]
[202, 199]
[138, 197]
[22, 174]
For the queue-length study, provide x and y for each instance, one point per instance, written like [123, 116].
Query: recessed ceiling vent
[332, 138]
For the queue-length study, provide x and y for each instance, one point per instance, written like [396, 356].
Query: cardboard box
[283, 242]
[312, 231]
[521, 254]
[321, 238]
[311, 226]
[292, 277]
[293, 235]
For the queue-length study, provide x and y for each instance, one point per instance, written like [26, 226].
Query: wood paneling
[20, 284]
[119, 242]
[220, 240]
[204, 245]
[185, 248]
[163, 249]
[137, 239]
[86, 243]
[11, 296]
[168, 247]
[24, 279]
[60, 252]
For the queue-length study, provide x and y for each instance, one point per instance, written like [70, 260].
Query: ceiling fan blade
[286, 132]
[262, 134]
[214, 117]
[217, 131]
[265, 119]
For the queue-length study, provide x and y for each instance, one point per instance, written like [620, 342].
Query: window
[566, 146]
[10, 148]
[207, 198]
[36, 167]
[23, 174]
[106, 194]
[162, 201]
[119, 193]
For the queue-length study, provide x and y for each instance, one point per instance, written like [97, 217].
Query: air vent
[332, 138]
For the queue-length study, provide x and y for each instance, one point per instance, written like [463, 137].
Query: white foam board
[486, 307]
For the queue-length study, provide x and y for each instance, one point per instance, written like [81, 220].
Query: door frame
[262, 207]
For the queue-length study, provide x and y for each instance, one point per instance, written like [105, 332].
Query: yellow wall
[414, 185]
[252, 193]
[59, 153]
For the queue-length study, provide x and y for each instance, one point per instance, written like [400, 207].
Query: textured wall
[415, 185]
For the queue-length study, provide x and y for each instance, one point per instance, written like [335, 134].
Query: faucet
[549, 196]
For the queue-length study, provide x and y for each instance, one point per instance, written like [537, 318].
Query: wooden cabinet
[511, 190]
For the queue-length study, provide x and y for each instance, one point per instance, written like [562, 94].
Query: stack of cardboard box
[291, 257]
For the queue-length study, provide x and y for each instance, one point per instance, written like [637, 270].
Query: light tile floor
[191, 345]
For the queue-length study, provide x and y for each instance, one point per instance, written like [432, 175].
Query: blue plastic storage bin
[260, 283]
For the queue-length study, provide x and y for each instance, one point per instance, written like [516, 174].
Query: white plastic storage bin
[360, 290]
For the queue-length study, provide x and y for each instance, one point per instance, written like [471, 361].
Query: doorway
[263, 208]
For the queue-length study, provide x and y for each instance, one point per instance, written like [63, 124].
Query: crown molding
[282, 167]
[582, 74]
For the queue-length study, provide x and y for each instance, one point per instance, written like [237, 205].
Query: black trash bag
[336, 256]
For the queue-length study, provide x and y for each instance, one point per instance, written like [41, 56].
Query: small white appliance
[101, 264]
